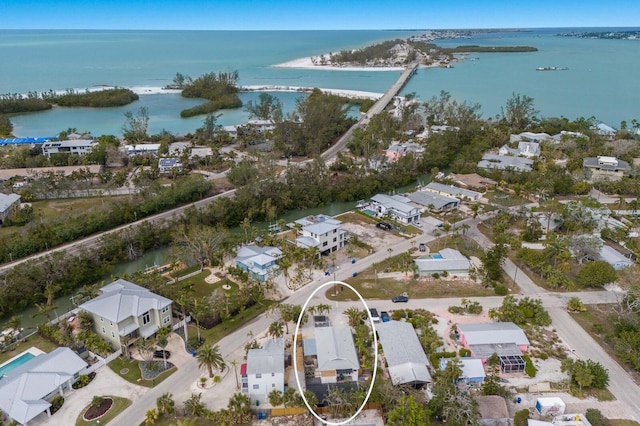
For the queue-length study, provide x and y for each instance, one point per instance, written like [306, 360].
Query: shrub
[435, 357]
[501, 290]
[83, 380]
[596, 418]
[544, 355]
[435, 275]
[445, 274]
[456, 309]
[56, 403]
[521, 418]
[529, 368]
[464, 352]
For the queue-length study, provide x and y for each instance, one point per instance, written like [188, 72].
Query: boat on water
[552, 69]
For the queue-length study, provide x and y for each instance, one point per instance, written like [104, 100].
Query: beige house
[124, 312]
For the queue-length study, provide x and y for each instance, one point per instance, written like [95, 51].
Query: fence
[180, 323]
[101, 361]
[274, 412]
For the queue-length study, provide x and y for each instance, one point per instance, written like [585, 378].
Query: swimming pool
[436, 256]
[15, 363]
[369, 212]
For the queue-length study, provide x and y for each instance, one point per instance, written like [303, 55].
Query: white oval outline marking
[375, 359]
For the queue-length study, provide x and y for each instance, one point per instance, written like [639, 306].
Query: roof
[502, 162]
[335, 348]
[269, 359]
[607, 164]
[320, 228]
[613, 257]
[168, 162]
[492, 407]
[394, 202]
[501, 349]
[403, 352]
[427, 199]
[22, 389]
[307, 241]
[493, 332]
[257, 254]
[452, 260]
[535, 137]
[453, 190]
[68, 143]
[143, 147]
[471, 367]
[122, 299]
[473, 180]
[6, 201]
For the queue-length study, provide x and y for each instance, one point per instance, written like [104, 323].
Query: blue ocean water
[601, 80]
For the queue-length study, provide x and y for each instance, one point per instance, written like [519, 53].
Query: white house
[447, 260]
[323, 232]
[432, 201]
[524, 149]
[143, 148]
[396, 207]
[529, 137]
[603, 168]
[264, 370]
[124, 312]
[169, 165]
[25, 391]
[505, 162]
[614, 258]
[407, 363]
[72, 146]
[453, 191]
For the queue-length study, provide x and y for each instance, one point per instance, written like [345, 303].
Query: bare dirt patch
[377, 238]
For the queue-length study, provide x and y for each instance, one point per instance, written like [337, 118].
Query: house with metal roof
[7, 203]
[529, 137]
[334, 354]
[453, 191]
[604, 168]
[26, 391]
[432, 201]
[505, 339]
[446, 260]
[396, 207]
[124, 312]
[169, 165]
[406, 361]
[322, 232]
[259, 262]
[505, 162]
[142, 149]
[264, 370]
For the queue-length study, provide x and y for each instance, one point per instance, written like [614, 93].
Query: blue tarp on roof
[18, 141]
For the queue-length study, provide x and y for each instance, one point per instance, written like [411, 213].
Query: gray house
[447, 260]
[7, 203]
[406, 360]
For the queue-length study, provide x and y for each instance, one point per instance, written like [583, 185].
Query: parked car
[374, 315]
[422, 247]
[384, 316]
[158, 354]
[418, 224]
[384, 225]
[402, 298]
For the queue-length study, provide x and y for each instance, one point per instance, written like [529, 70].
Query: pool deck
[32, 350]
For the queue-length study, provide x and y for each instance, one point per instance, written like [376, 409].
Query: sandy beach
[306, 63]
[340, 92]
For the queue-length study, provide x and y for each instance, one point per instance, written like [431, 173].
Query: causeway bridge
[377, 108]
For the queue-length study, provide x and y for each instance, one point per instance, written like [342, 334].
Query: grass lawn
[505, 199]
[118, 406]
[134, 375]
[216, 333]
[623, 422]
[201, 288]
[358, 217]
[35, 340]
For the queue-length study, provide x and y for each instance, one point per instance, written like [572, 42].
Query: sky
[314, 14]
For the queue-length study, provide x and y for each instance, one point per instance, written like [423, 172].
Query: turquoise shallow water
[601, 80]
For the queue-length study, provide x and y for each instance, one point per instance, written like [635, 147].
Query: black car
[402, 298]
[158, 354]
[384, 225]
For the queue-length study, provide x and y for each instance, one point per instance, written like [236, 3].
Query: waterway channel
[30, 318]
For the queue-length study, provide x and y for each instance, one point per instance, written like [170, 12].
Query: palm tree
[198, 310]
[15, 322]
[235, 363]
[183, 301]
[163, 335]
[194, 405]
[166, 404]
[151, 416]
[246, 225]
[50, 292]
[45, 310]
[355, 316]
[275, 329]
[209, 357]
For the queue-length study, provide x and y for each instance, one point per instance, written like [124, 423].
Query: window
[103, 330]
[101, 319]
[165, 309]
[111, 323]
[113, 334]
[258, 376]
[166, 320]
[325, 244]
[146, 318]
[256, 386]
[273, 385]
[273, 374]
[335, 239]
